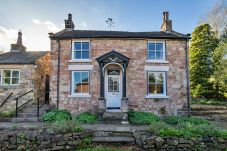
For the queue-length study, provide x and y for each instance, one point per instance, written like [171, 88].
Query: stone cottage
[118, 70]
[22, 71]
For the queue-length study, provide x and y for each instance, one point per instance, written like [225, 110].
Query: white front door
[113, 89]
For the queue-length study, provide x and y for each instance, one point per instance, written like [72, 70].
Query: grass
[56, 115]
[174, 120]
[187, 127]
[63, 126]
[209, 102]
[85, 118]
[9, 113]
[136, 117]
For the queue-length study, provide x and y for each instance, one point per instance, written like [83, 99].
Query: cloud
[83, 26]
[7, 37]
[51, 27]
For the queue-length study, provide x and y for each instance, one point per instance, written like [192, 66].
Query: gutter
[187, 77]
[58, 72]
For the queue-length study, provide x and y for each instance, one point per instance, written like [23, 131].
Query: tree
[216, 17]
[220, 70]
[202, 47]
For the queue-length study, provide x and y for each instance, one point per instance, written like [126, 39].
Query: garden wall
[150, 142]
[37, 139]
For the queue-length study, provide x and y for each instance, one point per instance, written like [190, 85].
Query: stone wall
[26, 84]
[136, 50]
[151, 142]
[30, 79]
[35, 139]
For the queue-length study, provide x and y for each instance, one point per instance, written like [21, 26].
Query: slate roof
[27, 57]
[116, 34]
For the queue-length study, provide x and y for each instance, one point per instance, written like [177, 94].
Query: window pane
[77, 54]
[151, 46]
[84, 76]
[159, 46]
[85, 88]
[159, 56]
[110, 80]
[6, 81]
[15, 80]
[159, 88]
[85, 54]
[6, 73]
[151, 55]
[151, 88]
[159, 78]
[15, 74]
[85, 46]
[77, 77]
[151, 78]
[116, 87]
[77, 46]
[77, 88]
[110, 88]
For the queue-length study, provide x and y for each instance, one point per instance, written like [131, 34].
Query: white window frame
[80, 60]
[11, 71]
[164, 52]
[164, 94]
[73, 94]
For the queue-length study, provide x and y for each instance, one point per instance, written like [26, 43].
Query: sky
[36, 18]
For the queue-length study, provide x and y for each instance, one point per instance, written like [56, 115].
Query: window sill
[157, 96]
[80, 60]
[157, 61]
[79, 96]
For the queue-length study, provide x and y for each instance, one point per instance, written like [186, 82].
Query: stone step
[108, 128]
[209, 112]
[113, 140]
[207, 107]
[27, 120]
[111, 134]
[28, 114]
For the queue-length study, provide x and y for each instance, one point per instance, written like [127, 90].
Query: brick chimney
[167, 24]
[69, 25]
[18, 47]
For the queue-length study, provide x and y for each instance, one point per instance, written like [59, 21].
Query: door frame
[106, 87]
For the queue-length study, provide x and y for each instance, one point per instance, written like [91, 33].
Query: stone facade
[31, 78]
[136, 75]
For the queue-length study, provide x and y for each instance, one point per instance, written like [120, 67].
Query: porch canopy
[112, 57]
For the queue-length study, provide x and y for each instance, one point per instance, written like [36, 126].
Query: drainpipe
[187, 76]
[58, 72]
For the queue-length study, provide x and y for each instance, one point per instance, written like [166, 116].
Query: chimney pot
[69, 25]
[167, 24]
[18, 47]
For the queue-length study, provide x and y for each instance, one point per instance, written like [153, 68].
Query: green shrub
[136, 117]
[174, 120]
[9, 113]
[63, 126]
[85, 118]
[56, 115]
[157, 125]
[191, 130]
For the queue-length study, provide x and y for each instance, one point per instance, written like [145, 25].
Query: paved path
[104, 127]
[16, 125]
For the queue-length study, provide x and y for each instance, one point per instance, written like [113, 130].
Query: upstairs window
[156, 51]
[81, 50]
[10, 77]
